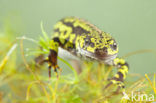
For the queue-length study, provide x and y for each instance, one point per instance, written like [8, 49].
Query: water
[131, 22]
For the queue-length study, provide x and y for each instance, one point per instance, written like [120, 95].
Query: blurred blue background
[131, 22]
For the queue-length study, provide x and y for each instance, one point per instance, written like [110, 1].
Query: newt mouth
[102, 57]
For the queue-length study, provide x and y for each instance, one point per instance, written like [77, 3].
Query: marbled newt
[84, 40]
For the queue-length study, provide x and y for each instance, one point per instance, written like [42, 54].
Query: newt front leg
[52, 58]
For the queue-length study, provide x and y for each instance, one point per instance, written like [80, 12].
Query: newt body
[84, 40]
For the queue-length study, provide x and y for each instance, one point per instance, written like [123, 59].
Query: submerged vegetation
[24, 81]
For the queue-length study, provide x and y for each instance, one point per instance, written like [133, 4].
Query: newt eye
[87, 41]
[113, 46]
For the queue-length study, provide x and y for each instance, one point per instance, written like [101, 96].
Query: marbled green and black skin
[85, 40]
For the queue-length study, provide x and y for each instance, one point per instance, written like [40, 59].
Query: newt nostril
[105, 49]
